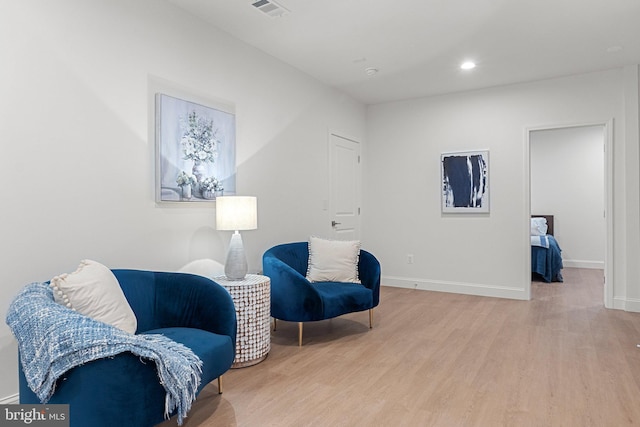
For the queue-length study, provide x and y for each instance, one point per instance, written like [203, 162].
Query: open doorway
[569, 178]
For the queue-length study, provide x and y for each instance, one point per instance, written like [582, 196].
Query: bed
[546, 255]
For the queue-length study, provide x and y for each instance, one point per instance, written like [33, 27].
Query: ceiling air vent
[270, 7]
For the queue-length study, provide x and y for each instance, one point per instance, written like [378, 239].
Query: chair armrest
[369, 273]
[293, 297]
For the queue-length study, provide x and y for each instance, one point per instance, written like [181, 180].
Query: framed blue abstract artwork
[465, 182]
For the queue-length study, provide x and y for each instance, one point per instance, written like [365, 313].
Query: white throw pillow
[94, 291]
[333, 260]
[538, 226]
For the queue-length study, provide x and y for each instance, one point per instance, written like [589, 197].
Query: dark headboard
[549, 219]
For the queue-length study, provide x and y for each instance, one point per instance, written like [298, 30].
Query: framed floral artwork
[195, 150]
[465, 182]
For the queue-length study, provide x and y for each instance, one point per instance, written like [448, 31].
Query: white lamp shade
[236, 213]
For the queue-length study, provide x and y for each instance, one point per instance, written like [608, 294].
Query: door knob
[333, 223]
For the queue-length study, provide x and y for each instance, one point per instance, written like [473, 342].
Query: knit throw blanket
[52, 339]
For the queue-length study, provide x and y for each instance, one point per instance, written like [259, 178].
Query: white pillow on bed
[538, 226]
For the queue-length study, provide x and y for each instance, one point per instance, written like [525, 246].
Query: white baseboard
[455, 287]
[577, 263]
[627, 304]
[10, 400]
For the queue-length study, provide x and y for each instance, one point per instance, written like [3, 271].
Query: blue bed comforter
[547, 262]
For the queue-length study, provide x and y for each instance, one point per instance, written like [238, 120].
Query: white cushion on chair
[333, 260]
[94, 291]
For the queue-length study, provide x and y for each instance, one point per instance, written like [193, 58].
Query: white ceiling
[418, 45]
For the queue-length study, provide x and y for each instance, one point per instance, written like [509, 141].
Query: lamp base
[235, 268]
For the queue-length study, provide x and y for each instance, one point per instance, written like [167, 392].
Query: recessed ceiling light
[468, 65]
[613, 49]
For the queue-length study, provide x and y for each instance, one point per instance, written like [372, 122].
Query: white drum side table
[252, 298]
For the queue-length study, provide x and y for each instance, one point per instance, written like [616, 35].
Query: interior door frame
[608, 202]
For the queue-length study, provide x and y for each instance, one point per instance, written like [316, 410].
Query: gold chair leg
[220, 384]
[299, 334]
[370, 318]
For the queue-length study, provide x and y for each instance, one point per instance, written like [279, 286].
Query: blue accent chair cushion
[124, 390]
[295, 299]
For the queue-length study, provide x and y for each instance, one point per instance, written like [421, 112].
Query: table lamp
[236, 213]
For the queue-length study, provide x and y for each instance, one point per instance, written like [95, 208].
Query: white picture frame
[465, 181]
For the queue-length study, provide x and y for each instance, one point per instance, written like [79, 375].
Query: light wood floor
[438, 359]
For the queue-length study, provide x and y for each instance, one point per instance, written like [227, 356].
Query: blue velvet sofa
[124, 390]
[295, 299]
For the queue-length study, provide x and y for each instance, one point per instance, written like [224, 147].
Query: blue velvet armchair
[295, 299]
[124, 390]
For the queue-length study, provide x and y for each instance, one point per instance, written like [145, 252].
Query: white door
[344, 155]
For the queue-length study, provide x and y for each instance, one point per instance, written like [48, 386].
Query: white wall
[77, 80]
[489, 254]
[77, 154]
[567, 181]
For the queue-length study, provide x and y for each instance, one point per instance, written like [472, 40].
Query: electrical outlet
[409, 258]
